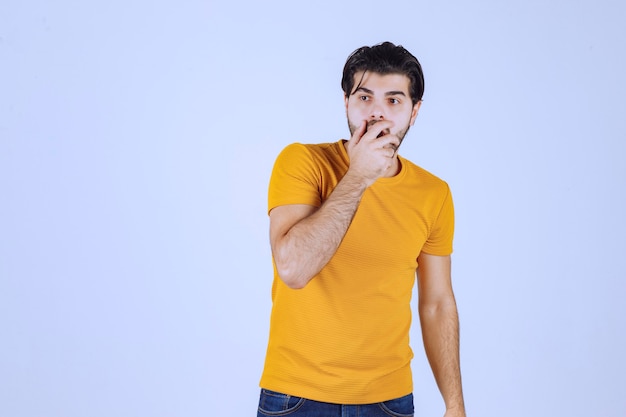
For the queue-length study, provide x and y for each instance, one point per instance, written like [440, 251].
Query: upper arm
[434, 279]
[283, 218]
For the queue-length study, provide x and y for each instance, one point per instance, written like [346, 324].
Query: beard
[401, 134]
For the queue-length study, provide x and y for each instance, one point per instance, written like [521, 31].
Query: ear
[345, 101]
[414, 112]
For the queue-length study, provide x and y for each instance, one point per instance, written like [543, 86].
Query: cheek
[402, 121]
[354, 113]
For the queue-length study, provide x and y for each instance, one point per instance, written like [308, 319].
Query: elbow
[437, 310]
[292, 268]
[293, 281]
[291, 276]
[294, 284]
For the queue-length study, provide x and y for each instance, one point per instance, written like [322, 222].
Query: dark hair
[384, 58]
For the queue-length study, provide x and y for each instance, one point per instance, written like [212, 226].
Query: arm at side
[440, 328]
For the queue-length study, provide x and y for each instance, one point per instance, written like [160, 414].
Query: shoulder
[426, 178]
[301, 174]
[322, 157]
[314, 150]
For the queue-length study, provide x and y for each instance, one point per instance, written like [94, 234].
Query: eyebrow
[388, 93]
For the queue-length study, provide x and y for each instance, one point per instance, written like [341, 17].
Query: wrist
[457, 410]
[356, 181]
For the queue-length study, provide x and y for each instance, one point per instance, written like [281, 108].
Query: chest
[389, 229]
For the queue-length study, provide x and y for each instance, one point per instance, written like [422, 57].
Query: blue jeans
[275, 404]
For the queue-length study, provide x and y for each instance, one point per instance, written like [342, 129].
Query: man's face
[381, 97]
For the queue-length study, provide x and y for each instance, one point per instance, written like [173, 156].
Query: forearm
[440, 331]
[307, 247]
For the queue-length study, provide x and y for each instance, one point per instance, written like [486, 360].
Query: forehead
[381, 83]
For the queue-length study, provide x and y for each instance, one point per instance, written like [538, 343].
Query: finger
[378, 128]
[390, 141]
[358, 133]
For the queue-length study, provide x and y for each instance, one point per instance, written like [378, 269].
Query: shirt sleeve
[441, 235]
[295, 178]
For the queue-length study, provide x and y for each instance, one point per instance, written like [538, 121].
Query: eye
[364, 98]
[394, 101]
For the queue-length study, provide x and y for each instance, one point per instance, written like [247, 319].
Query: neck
[395, 168]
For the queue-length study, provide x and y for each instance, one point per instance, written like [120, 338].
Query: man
[350, 224]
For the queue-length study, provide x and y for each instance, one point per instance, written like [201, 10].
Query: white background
[136, 143]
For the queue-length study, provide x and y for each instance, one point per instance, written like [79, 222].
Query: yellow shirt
[344, 337]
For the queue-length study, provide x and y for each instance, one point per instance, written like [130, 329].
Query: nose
[377, 112]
